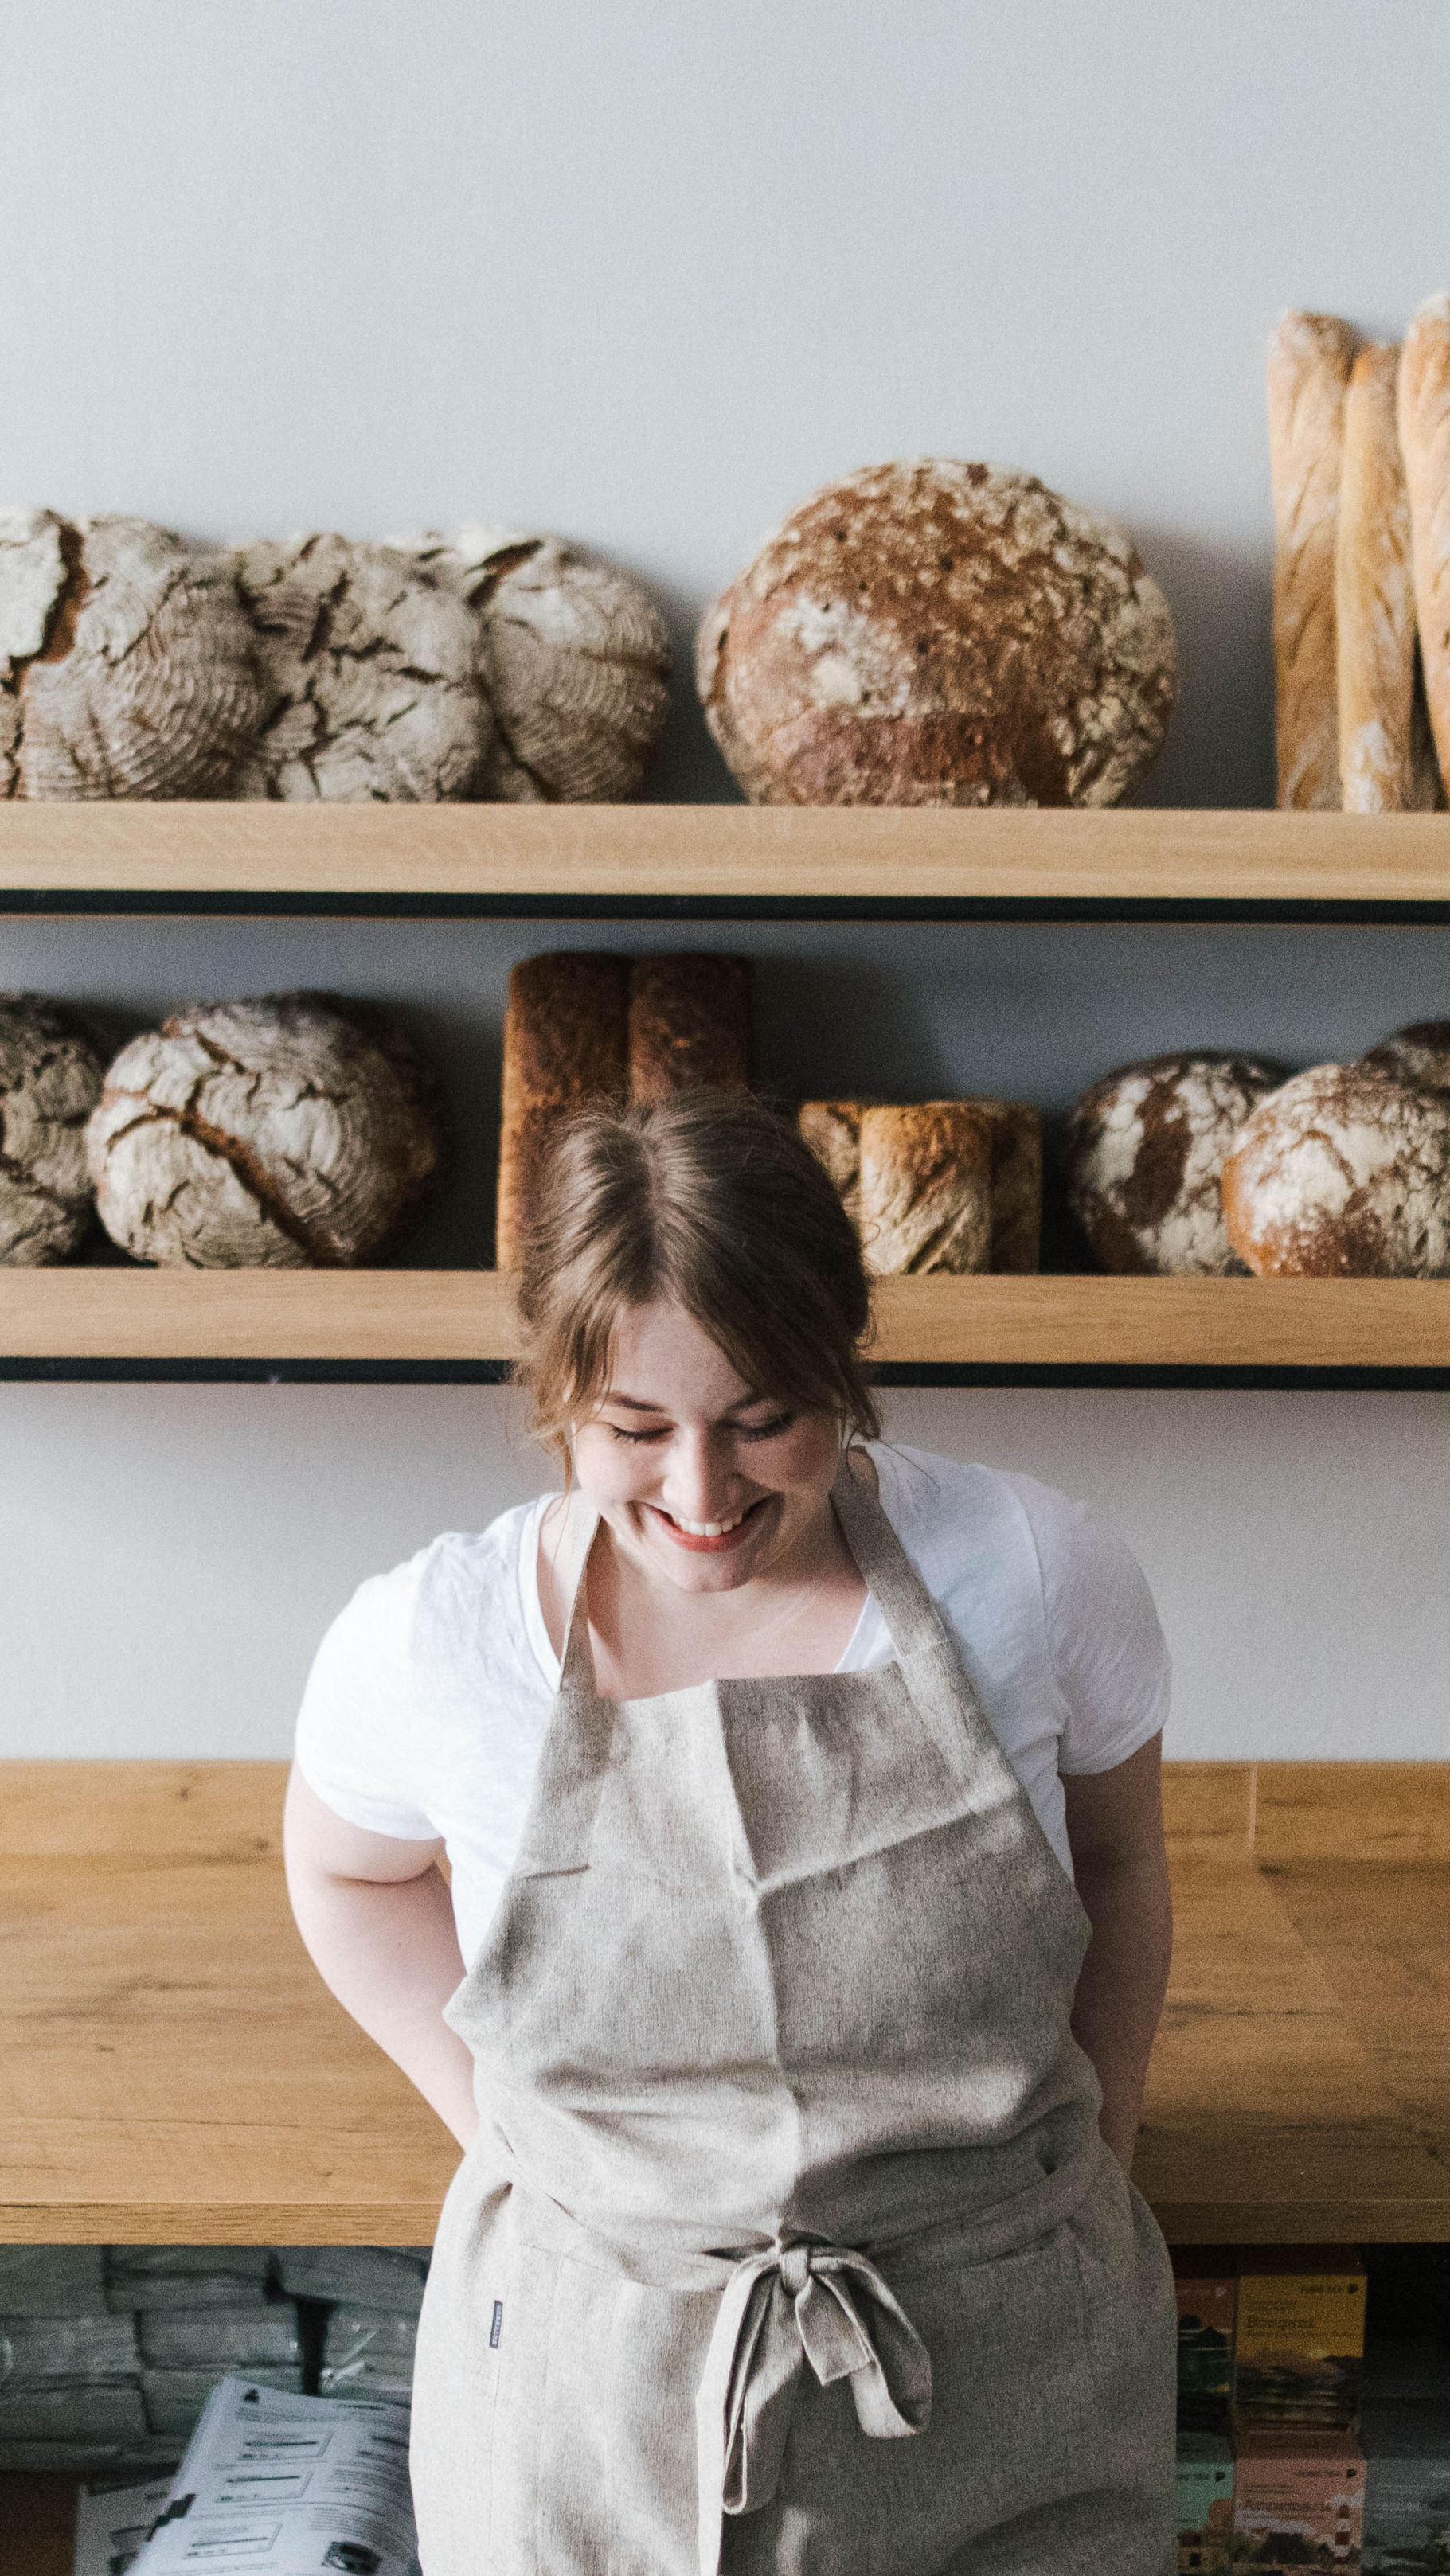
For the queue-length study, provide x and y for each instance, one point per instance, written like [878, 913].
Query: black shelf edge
[26, 901]
[890, 1373]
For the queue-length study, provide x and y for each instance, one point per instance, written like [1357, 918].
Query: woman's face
[701, 1477]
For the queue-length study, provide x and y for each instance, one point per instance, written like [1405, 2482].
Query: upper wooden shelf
[724, 862]
[459, 1324]
[173, 2069]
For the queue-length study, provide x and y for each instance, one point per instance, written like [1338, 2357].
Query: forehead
[663, 1357]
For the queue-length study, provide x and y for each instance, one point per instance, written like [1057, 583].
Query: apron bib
[788, 2242]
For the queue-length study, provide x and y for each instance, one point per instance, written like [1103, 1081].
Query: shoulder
[399, 1626]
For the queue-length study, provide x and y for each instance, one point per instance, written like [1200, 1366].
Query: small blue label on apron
[496, 2329]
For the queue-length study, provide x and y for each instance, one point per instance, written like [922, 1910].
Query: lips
[710, 1538]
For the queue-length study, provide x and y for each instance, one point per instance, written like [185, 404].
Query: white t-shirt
[428, 1697]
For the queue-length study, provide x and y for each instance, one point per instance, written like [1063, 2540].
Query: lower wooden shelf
[171, 2067]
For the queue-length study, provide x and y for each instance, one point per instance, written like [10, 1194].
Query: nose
[698, 1478]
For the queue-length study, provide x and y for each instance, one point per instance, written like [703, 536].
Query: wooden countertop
[171, 2068]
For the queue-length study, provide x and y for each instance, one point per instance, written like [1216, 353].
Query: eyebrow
[640, 1404]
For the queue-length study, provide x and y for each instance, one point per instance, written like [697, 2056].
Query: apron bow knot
[796, 2302]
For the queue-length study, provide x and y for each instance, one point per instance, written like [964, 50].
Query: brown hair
[711, 1200]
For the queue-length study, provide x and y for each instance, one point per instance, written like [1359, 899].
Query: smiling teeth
[705, 1529]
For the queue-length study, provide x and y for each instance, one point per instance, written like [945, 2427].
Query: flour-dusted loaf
[1310, 357]
[288, 1131]
[1419, 1055]
[1424, 418]
[938, 633]
[926, 1188]
[575, 661]
[691, 1025]
[1342, 1173]
[565, 1043]
[1145, 1158]
[1374, 597]
[373, 668]
[127, 667]
[50, 1080]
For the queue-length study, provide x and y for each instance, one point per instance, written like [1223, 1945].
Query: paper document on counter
[288, 2486]
[113, 2518]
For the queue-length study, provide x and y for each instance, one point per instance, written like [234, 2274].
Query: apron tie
[787, 2304]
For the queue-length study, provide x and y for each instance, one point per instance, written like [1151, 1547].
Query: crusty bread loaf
[1310, 357]
[1419, 1054]
[937, 633]
[1145, 1156]
[1342, 1173]
[50, 1081]
[832, 1129]
[565, 1042]
[926, 1188]
[1424, 417]
[1374, 597]
[691, 1025]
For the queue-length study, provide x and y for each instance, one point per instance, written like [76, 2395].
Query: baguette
[564, 1043]
[691, 1025]
[926, 1188]
[1424, 410]
[1374, 599]
[1310, 357]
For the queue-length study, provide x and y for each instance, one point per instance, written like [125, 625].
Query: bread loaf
[1419, 1055]
[126, 663]
[832, 1129]
[1424, 416]
[926, 1188]
[565, 1043]
[1145, 1157]
[374, 674]
[936, 633]
[691, 1025]
[1310, 357]
[294, 1130]
[1374, 599]
[50, 1081]
[1342, 1173]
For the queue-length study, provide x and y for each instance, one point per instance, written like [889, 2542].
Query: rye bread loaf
[127, 667]
[832, 1129]
[295, 1130]
[1310, 357]
[926, 1188]
[691, 1025]
[1342, 1173]
[939, 633]
[565, 1043]
[1145, 1156]
[50, 1081]
[1374, 597]
[1424, 420]
[1419, 1055]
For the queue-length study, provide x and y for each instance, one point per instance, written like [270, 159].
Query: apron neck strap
[581, 1524]
[905, 1604]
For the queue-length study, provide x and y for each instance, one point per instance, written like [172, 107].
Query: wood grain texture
[446, 1315]
[881, 853]
[1208, 1801]
[1354, 1811]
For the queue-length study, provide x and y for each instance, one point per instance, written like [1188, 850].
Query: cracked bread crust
[1145, 1157]
[1343, 1173]
[575, 662]
[373, 669]
[298, 1130]
[127, 667]
[50, 1081]
[939, 633]
[926, 1188]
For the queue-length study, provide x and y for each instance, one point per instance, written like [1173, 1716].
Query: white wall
[647, 274]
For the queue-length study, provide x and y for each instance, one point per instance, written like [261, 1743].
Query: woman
[797, 2083]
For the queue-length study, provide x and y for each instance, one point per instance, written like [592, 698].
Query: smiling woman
[797, 2079]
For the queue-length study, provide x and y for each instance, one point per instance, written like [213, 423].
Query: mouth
[708, 1538]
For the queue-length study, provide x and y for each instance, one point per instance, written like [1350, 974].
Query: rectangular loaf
[832, 1129]
[565, 1042]
[691, 1025]
[926, 1188]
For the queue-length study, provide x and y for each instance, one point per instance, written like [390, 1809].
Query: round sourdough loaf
[1145, 1155]
[1419, 1054]
[934, 633]
[127, 666]
[1343, 1173]
[50, 1081]
[292, 1131]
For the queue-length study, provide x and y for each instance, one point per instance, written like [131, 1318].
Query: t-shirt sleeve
[1108, 1653]
[357, 1742]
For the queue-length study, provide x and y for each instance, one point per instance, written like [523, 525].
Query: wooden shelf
[460, 1324]
[171, 2067]
[724, 862]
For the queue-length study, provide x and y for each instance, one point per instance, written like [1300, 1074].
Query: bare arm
[1115, 1830]
[377, 1920]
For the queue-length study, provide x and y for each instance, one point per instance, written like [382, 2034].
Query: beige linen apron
[788, 2243]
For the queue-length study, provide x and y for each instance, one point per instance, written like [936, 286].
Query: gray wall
[647, 274]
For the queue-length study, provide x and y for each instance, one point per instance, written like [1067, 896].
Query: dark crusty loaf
[565, 1041]
[939, 633]
[1342, 1173]
[691, 1025]
[926, 1188]
[1145, 1156]
[1419, 1054]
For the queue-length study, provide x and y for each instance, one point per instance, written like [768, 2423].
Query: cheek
[808, 1459]
[610, 1469]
